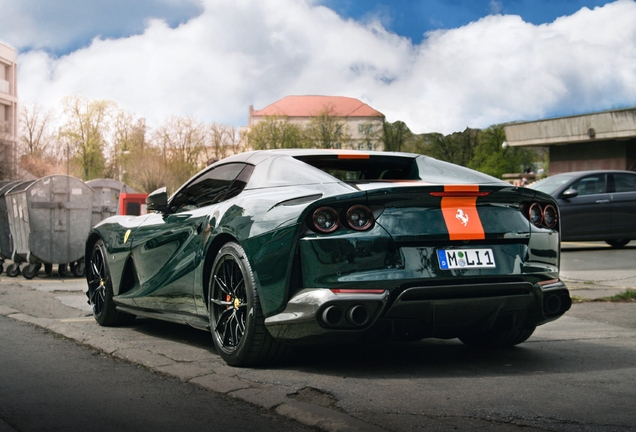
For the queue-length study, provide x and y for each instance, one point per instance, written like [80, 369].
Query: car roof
[256, 156]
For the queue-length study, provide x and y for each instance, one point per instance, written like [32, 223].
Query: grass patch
[624, 297]
[627, 296]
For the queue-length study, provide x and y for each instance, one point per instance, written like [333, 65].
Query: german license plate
[465, 258]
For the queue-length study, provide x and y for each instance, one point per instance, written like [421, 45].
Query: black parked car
[594, 205]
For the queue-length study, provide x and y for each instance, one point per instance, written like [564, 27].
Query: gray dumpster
[106, 198]
[49, 221]
[5, 240]
[8, 247]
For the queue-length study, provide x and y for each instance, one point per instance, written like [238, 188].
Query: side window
[590, 185]
[624, 182]
[209, 188]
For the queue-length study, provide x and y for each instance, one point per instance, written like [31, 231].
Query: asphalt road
[575, 374]
[49, 383]
[594, 269]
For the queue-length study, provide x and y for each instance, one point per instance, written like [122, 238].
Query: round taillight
[550, 216]
[359, 217]
[325, 219]
[535, 214]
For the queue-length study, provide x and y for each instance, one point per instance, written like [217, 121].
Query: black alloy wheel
[100, 289]
[236, 319]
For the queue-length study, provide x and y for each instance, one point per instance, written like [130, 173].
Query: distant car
[270, 248]
[594, 205]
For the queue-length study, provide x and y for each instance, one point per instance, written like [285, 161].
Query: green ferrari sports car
[274, 248]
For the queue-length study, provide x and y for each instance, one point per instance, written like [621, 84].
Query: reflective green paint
[168, 251]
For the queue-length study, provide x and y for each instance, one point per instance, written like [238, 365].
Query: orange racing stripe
[460, 214]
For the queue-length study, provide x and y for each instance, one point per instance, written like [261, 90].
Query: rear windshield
[360, 168]
[354, 169]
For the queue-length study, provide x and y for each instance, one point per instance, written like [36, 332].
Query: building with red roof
[363, 123]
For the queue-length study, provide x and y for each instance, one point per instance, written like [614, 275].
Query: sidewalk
[594, 284]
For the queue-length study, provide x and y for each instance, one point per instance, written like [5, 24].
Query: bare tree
[36, 136]
[37, 141]
[150, 171]
[128, 140]
[84, 133]
[182, 141]
[6, 156]
[6, 151]
[371, 136]
[275, 132]
[224, 141]
[327, 131]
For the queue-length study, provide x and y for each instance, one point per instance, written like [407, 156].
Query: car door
[171, 249]
[623, 204]
[588, 215]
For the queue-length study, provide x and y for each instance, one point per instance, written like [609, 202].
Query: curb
[263, 396]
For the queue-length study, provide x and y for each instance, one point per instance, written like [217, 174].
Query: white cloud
[496, 6]
[69, 24]
[243, 52]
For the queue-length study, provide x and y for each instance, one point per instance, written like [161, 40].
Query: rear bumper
[418, 312]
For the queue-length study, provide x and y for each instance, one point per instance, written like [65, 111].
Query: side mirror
[158, 200]
[569, 193]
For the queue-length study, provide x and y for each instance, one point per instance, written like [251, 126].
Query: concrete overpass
[603, 140]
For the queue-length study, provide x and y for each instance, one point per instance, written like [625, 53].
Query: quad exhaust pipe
[354, 316]
[357, 315]
[332, 316]
[556, 303]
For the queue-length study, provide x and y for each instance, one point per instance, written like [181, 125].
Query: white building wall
[9, 100]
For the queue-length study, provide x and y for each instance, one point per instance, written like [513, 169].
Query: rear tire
[236, 319]
[619, 243]
[100, 290]
[497, 338]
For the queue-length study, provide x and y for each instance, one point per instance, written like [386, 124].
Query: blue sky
[438, 65]
[413, 18]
